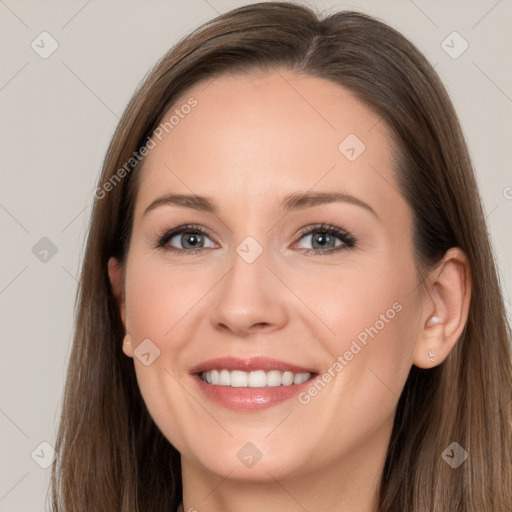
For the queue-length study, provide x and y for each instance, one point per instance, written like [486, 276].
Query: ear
[115, 274]
[446, 309]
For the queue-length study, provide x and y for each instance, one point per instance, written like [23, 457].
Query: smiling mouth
[250, 384]
[253, 379]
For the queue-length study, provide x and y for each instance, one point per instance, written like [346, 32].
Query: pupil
[191, 240]
[322, 239]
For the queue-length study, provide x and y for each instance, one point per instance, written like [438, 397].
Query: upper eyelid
[188, 227]
[322, 226]
[339, 232]
[303, 231]
[306, 231]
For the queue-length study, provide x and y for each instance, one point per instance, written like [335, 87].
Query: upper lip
[249, 364]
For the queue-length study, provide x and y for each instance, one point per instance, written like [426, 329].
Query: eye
[185, 239]
[191, 239]
[326, 239]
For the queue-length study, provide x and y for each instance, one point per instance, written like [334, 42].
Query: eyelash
[348, 240]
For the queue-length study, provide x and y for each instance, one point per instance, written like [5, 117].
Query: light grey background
[57, 116]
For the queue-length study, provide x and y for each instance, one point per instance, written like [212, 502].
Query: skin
[250, 141]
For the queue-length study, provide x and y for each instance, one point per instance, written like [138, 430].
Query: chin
[245, 460]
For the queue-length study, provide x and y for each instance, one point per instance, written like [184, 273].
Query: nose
[250, 299]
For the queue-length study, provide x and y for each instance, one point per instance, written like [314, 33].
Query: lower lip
[250, 399]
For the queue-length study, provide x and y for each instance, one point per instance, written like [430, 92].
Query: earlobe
[430, 351]
[127, 345]
[447, 306]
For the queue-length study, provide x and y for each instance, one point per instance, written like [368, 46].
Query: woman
[288, 299]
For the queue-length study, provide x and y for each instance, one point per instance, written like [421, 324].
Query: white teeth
[255, 379]
[299, 378]
[224, 378]
[274, 378]
[238, 379]
[287, 378]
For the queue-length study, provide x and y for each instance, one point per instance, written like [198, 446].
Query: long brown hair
[112, 457]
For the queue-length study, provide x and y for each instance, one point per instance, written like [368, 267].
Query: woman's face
[298, 266]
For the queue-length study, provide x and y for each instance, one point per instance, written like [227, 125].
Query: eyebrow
[296, 201]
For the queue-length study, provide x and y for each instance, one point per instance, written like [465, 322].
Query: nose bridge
[249, 267]
[249, 297]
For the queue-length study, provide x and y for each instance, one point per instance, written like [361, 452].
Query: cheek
[162, 302]
[160, 296]
[371, 313]
[153, 302]
[360, 300]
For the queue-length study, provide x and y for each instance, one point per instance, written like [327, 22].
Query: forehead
[268, 134]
